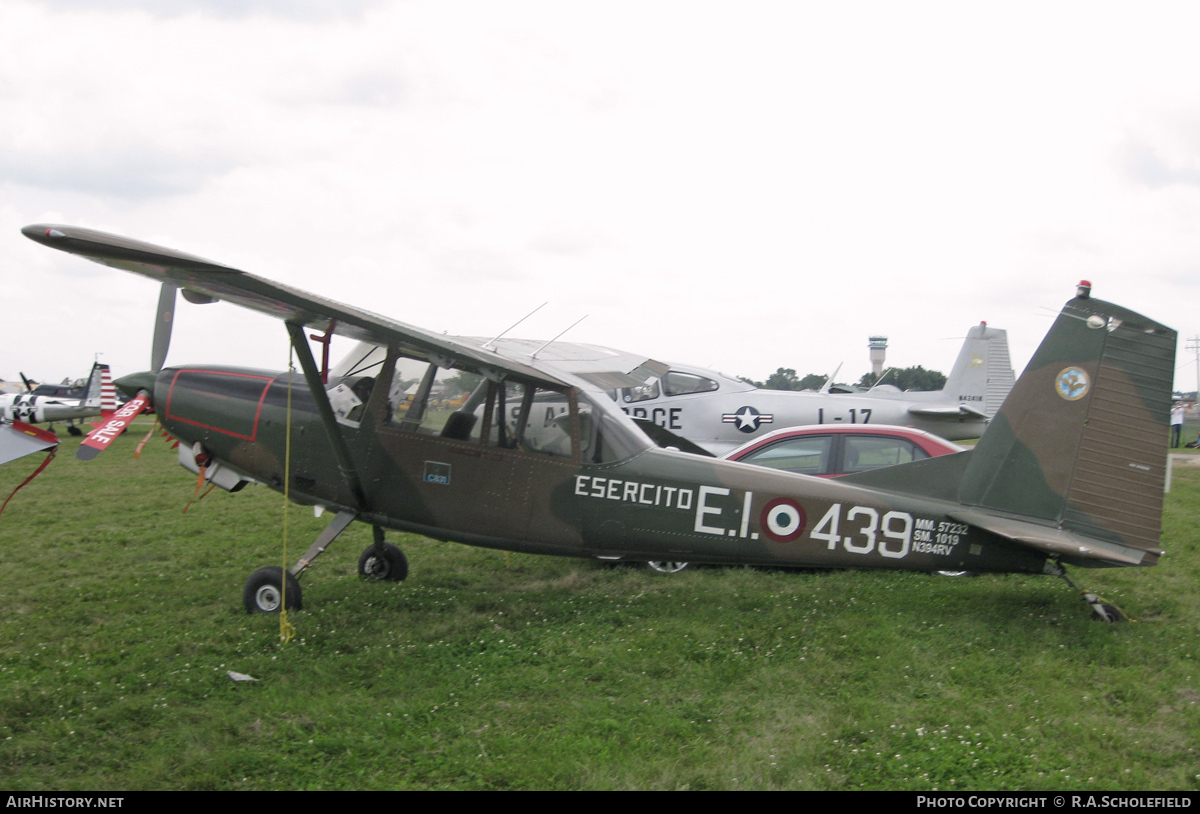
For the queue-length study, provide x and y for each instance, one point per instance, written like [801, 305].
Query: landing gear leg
[1101, 610]
[263, 593]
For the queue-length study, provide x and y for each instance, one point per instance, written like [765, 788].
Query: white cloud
[744, 186]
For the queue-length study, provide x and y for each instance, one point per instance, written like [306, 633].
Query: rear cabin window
[463, 405]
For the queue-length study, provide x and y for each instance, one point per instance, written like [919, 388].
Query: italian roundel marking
[1072, 383]
[782, 520]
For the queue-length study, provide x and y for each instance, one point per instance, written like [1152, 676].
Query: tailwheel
[1102, 611]
[264, 590]
[384, 563]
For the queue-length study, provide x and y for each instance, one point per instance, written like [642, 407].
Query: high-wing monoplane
[720, 413]
[520, 447]
[50, 403]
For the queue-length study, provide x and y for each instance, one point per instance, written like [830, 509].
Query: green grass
[121, 616]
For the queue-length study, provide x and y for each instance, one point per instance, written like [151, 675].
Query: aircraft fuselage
[656, 504]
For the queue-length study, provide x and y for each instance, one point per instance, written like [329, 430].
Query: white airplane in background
[720, 413]
[96, 397]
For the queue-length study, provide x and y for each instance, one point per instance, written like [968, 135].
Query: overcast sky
[739, 185]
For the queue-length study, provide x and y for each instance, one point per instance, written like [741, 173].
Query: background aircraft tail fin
[108, 390]
[982, 375]
[1074, 462]
[93, 396]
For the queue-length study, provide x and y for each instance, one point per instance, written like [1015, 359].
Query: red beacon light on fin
[1083, 290]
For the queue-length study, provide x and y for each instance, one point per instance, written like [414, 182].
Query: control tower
[878, 346]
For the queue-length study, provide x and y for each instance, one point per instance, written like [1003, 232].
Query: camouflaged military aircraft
[720, 413]
[518, 446]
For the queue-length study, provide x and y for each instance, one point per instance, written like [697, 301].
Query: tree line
[908, 378]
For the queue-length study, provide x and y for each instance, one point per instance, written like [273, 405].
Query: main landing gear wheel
[390, 566]
[264, 591]
[668, 567]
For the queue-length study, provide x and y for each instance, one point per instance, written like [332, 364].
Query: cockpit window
[681, 384]
[643, 392]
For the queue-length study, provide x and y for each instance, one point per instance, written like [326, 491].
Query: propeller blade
[99, 439]
[28, 384]
[162, 326]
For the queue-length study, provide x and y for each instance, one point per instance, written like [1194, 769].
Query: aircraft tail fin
[93, 396]
[982, 374]
[1074, 462]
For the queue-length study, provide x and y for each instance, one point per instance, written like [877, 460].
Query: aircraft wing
[936, 411]
[208, 279]
[19, 439]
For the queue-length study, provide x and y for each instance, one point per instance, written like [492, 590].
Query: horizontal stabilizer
[947, 411]
[1071, 547]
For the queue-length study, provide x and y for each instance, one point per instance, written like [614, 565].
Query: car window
[807, 455]
[864, 452]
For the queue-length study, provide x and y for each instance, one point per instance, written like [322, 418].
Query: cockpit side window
[423, 396]
[676, 383]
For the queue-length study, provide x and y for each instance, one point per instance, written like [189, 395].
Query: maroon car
[830, 450]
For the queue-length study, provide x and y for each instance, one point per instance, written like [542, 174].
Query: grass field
[121, 616]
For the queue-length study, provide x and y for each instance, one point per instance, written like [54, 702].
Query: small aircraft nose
[133, 383]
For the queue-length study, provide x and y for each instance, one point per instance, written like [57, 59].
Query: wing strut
[335, 527]
[313, 376]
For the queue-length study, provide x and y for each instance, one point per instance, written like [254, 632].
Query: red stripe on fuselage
[257, 411]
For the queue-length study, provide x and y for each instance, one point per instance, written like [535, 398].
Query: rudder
[1080, 443]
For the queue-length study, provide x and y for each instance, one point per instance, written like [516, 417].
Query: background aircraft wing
[19, 439]
[606, 368]
[212, 280]
[946, 411]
